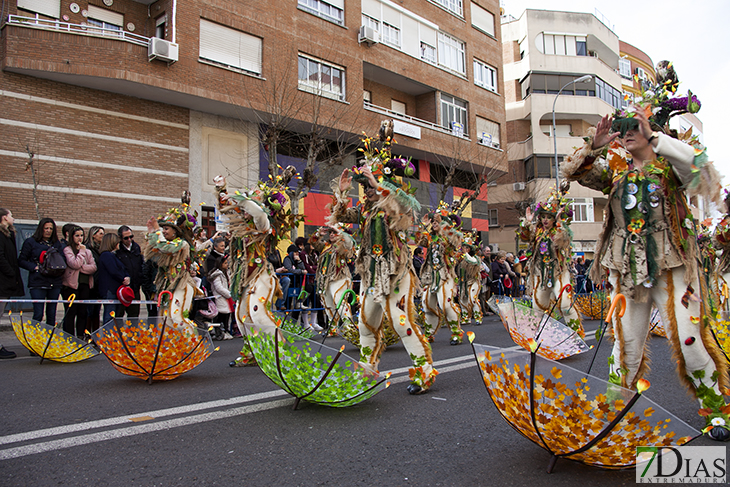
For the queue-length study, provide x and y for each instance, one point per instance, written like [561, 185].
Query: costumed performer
[721, 273]
[384, 260]
[336, 248]
[443, 239]
[648, 245]
[548, 234]
[169, 243]
[257, 221]
[469, 272]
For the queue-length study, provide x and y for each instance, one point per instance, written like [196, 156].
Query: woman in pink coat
[78, 279]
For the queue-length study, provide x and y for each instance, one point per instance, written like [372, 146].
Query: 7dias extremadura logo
[680, 464]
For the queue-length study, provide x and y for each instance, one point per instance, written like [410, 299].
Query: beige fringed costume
[388, 280]
[470, 280]
[649, 248]
[174, 262]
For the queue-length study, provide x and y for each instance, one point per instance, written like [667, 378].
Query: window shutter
[492, 128]
[391, 16]
[230, 47]
[337, 3]
[428, 35]
[482, 19]
[50, 8]
[106, 16]
[371, 8]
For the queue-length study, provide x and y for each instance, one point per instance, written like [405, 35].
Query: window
[49, 8]
[452, 5]
[485, 76]
[331, 10]
[451, 53]
[428, 53]
[562, 44]
[371, 22]
[482, 19]
[539, 167]
[487, 132]
[608, 93]
[106, 19]
[398, 107]
[229, 48]
[624, 68]
[390, 35]
[453, 114]
[321, 78]
[582, 209]
[493, 219]
[161, 26]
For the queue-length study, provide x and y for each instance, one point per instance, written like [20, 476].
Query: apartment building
[545, 54]
[111, 108]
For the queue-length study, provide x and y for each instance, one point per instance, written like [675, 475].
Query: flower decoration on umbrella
[153, 349]
[555, 340]
[495, 300]
[51, 342]
[312, 371]
[721, 330]
[574, 415]
[594, 305]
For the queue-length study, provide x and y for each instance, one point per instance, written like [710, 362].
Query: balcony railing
[415, 121]
[78, 29]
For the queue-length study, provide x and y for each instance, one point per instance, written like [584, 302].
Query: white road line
[138, 429]
[398, 376]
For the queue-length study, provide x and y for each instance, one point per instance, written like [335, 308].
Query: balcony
[412, 120]
[77, 29]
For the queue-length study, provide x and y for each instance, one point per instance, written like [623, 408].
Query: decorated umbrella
[495, 300]
[556, 340]
[310, 370]
[593, 305]
[51, 342]
[153, 350]
[572, 414]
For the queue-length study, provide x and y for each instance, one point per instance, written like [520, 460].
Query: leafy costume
[256, 220]
[384, 264]
[470, 279]
[649, 247]
[443, 240]
[174, 263]
[549, 258]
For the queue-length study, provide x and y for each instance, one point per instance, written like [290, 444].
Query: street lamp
[582, 79]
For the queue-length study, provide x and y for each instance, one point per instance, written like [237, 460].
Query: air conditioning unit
[162, 49]
[518, 186]
[368, 35]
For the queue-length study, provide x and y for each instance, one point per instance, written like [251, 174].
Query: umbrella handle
[569, 288]
[159, 297]
[71, 300]
[618, 299]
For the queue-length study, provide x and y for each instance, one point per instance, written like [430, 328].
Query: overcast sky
[695, 36]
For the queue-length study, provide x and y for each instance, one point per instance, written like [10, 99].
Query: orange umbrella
[572, 414]
[153, 349]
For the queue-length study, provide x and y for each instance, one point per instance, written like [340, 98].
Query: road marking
[398, 376]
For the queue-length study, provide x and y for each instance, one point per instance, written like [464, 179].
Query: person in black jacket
[130, 254]
[11, 284]
[149, 274]
[42, 287]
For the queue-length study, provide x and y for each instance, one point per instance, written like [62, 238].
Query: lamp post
[582, 79]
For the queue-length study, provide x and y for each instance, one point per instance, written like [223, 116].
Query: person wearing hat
[169, 242]
[384, 259]
[648, 243]
[333, 277]
[11, 284]
[443, 239]
[112, 276]
[548, 236]
[469, 271]
[257, 220]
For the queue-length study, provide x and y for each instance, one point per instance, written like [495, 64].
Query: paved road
[86, 424]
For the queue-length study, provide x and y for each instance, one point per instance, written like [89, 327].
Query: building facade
[111, 108]
[544, 53]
